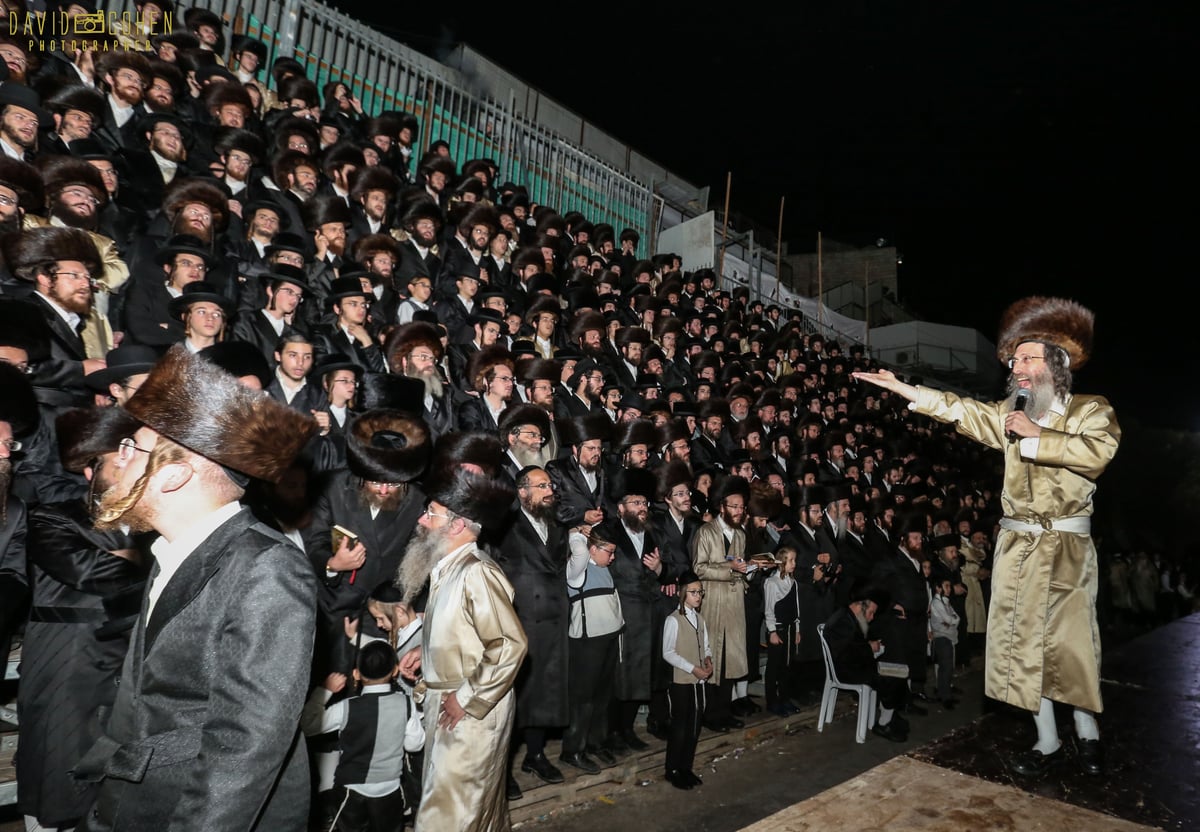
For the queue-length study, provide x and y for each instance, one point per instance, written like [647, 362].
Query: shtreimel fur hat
[463, 478]
[203, 408]
[1057, 321]
[36, 246]
[387, 446]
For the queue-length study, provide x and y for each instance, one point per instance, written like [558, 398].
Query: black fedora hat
[349, 285]
[19, 95]
[122, 362]
[200, 292]
[184, 244]
[286, 273]
[333, 362]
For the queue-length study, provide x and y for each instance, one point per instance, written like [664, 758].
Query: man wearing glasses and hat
[148, 319]
[61, 264]
[285, 287]
[21, 116]
[349, 299]
[1043, 636]
[238, 761]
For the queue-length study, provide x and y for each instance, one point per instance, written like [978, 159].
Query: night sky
[1009, 151]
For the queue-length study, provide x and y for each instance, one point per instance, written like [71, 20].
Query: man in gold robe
[473, 643]
[1043, 642]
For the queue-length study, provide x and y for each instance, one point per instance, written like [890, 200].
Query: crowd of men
[453, 368]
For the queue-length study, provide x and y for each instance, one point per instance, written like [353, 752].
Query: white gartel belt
[1078, 524]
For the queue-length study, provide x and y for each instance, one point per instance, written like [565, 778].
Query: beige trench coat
[473, 646]
[1042, 636]
[724, 606]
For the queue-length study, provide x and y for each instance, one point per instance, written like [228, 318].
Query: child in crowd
[782, 611]
[685, 647]
[943, 622]
[594, 636]
[375, 728]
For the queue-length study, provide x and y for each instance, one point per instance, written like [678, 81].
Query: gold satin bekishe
[1042, 636]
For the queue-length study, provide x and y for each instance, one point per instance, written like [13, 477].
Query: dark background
[1022, 149]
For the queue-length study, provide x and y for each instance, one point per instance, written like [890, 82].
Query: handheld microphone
[1018, 406]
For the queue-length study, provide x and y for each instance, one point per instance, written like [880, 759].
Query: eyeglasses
[192, 264]
[131, 76]
[1024, 359]
[197, 213]
[13, 445]
[10, 58]
[82, 277]
[698, 592]
[734, 506]
[680, 493]
[288, 290]
[605, 549]
[508, 379]
[430, 513]
[542, 486]
[636, 503]
[7, 201]
[352, 382]
[421, 356]
[126, 448]
[80, 193]
[532, 434]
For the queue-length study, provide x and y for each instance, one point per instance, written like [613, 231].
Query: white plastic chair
[866, 695]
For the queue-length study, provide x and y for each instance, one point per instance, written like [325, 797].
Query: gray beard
[1041, 396]
[5, 485]
[862, 622]
[426, 548]
[433, 383]
[527, 457]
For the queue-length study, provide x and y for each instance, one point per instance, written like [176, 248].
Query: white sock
[1085, 725]
[740, 689]
[1047, 728]
[885, 715]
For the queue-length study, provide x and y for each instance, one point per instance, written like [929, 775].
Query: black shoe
[543, 768]
[743, 707]
[679, 779]
[513, 790]
[733, 722]
[601, 756]
[633, 741]
[949, 704]
[1091, 756]
[580, 761]
[658, 730]
[919, 710]
[694, 778]
[1034, 763]
[894, 731]
[920, 694]
[616, 744]
[717, 725]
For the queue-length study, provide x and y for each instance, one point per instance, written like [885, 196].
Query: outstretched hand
[888, 381]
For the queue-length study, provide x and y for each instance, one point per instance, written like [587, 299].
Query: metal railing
[388, 75]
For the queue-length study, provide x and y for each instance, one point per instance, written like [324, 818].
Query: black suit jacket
[385, 538]
[58, 380]
[574, 496]
[205, 730]
[538, 573]
[412, 263]
[328, 340]
[255, 329]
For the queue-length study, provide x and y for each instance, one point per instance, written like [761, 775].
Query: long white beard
[1041, 396]
[426, 548]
